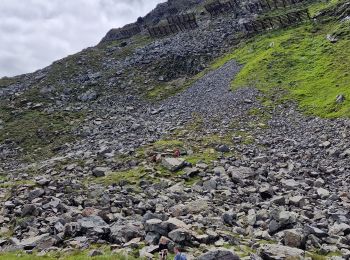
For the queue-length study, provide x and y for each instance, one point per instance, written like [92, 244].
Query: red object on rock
[177, 153]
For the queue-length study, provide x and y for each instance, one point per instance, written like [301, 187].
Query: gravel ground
[210, 97]
[289, 184]
[123, 128]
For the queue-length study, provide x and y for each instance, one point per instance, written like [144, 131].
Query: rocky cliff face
[142, 138]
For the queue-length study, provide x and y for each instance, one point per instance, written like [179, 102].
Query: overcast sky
[34, 33]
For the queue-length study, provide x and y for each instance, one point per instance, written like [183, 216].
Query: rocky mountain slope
[227, 142]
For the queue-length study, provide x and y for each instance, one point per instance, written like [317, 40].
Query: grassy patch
[65, 73]
[298, 63]
[317, 256]
[11, 183]
[132, 177]
[201, 151]
[82, 255]
[6, 81]
[301, 61]
[315, 8]
[243, 251]
[36, 132]
[206, 156]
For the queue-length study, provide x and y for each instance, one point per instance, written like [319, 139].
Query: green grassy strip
[302, 61]
[82, 255]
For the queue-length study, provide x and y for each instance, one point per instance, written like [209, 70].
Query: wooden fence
[123, 33]
[216, 7]
[183, 22]
[174, 24]
[129, 32]
[267, 5]
[274, 22]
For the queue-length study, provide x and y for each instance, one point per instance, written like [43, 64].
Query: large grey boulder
[173, 164]
[223, 148]
[294, 238]
[180, 236]
[279, 252]
[290, 184]
[157, 226]
[322, 193]
[36, 193]
[150, 215]
[148, 251]
[298, 201]
[40, 242]
[315, 231]
[174, 223]
[194, 207]
[238, 174]
[100, 171]
[339, 229]
[281, 219]
[71, 229]
[29, 210]
[124, 233]
[89, 95]
[229, 217]
[219, 254]
[152, 238]
[93, 225]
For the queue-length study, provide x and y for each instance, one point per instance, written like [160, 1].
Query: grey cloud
[34, 33]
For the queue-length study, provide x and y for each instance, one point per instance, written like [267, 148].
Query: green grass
[301, 61]
[202, 151]
[11, 183]
[298, 63]
[63, 73]
[315, 8]
[206, 156]
[6, 81]
[317, 256]
[36, 132]
[202, 148]
[132, 176]
[82, 255]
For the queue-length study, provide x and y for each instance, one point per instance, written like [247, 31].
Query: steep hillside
[228, 136]
[309, 61]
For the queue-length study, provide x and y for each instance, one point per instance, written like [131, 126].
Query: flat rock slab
[279, 252]
[219, 254]
[173, 164]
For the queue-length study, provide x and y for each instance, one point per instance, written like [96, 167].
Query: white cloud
[34, 33]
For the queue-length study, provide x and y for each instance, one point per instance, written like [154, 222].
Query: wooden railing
[174, 24]
[275, 22]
